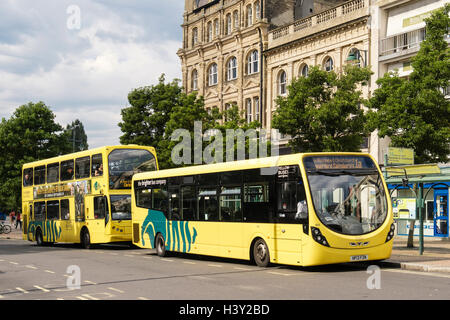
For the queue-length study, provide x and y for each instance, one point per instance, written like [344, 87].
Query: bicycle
[4, 228]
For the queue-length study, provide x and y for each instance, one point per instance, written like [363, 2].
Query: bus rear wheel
[85, 239]
[160, 245]
[261, 253]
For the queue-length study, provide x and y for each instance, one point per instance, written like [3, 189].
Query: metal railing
[402, 42]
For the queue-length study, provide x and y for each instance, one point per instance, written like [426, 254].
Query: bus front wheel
[261, 253]
[160, 245]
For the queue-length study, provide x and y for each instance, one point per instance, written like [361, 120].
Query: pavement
[435, 258]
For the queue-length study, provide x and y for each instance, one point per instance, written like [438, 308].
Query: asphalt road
[117, 272]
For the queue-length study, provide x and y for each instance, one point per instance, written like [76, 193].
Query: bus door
[98, 218]
[441, 205]
[290, 214]
[26, 218]
[67, 221]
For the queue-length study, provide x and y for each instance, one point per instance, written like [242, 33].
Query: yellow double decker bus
[300, 209]
[83, 197]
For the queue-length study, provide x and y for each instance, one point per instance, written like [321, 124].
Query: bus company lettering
[175, 234]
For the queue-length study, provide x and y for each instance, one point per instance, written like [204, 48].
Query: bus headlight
[391, 233]
[318, 237]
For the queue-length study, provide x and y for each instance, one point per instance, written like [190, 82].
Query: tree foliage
[30, 134]
[322, 112]
[76, 136]
[413, 111]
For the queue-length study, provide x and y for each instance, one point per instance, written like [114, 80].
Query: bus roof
[266, 162]
[84, 153]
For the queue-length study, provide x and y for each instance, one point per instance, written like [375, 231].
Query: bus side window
[65, 209]
[39, 211]
[100, 207]
[160, 200]
[82, 166]
[53, 210]
[67, 170]
[39, 175]
[189, 203]
[97, 165]
[258, 196]
[28, 177]
[53, 172]
[174, 204]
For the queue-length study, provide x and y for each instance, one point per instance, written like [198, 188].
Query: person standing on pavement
[11, 216]
[19, 220]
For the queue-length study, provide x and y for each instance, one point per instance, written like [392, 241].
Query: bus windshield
[123, 163]
[347, 192]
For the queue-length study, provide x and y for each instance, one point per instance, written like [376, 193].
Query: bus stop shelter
[420, 193]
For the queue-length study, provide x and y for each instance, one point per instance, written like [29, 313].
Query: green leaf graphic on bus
[175, 235]
[50, 230]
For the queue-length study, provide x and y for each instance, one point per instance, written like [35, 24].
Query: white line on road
[23, 290]
[90, 282]
[49, 271]
[168, 260]
[117, 290]
[12, 262]
[189, 262]
[143, 298]
[280, 273]
[430, 274]
[215, 265]
[31, 267]
[40, 288]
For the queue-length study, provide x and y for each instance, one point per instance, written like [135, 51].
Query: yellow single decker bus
[299, 209]
[83, 197]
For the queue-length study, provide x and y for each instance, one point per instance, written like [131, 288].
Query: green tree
[76, 136]
[413, 111]
[30, 134]
[322, 112]
[144, 122]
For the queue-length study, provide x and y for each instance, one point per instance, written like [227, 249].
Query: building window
[257, 10]
[248, 104]
[257, 111]
[194, 36]
[212, 74]
[282, 79]
[252, 62]
[236, 19]
[194, 83]
[304, 71]
[354, 57]
[216, 28]
[210, 31]
[328, 64]
[228, 24]
[249, 15]
[232, 69]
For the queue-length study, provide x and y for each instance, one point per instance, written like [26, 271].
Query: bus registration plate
[359, 258]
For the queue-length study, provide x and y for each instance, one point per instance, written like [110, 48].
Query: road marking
[83, 298]
[168, 260]
[128, 255]
[189, 262]
[117, 290]
[244, 269]
[43, 289]
[423, 273]
[113, 253]
[215, 265]
[23, 290]
[12, 262]
[31, 267]
[143, 298]
[280, 273]
[49, 271]
[90, 282]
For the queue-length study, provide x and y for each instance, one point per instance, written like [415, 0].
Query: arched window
[228, 20]
[282, 82]
[304, 69]
[252, 62]
[328, 64]
[194, 80]
[194, 36]
[232, 69]
[212, 75]
[354, 57]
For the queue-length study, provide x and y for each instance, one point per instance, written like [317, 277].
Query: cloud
[86, 73]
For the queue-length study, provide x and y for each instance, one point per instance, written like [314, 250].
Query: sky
[82, 58]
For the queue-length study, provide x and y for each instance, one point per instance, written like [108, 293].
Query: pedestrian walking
[12, 214]
[19, 220]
